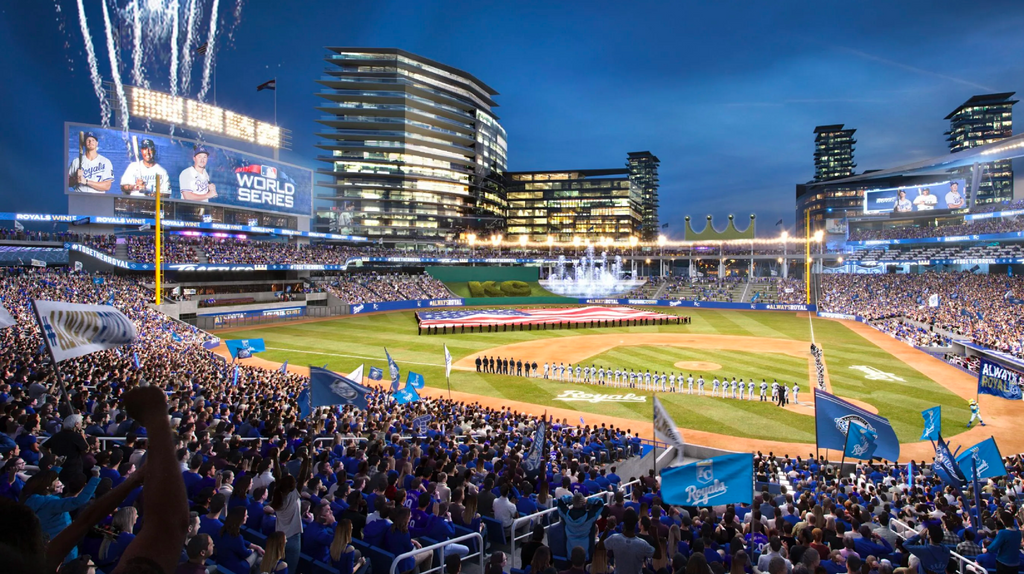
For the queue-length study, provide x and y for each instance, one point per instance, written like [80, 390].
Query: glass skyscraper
[833, 152]
[412, 148]
[978, 121]
[643, 173]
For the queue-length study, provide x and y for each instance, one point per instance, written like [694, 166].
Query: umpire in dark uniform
[478, 363]
[519, 368]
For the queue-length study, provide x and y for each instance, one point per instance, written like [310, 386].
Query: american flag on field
[486, 317]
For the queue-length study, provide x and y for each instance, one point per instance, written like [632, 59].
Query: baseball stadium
[411, 359]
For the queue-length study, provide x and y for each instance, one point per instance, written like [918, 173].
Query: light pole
[661, 254]
[522, 243]
[551, 246]
[471, 238]
[496, 242]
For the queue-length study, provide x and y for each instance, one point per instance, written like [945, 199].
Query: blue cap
[198, 150]
[91, 135]
[147, 143]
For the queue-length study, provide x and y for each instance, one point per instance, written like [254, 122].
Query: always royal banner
[999, 381]
[727, 479]
[73, 330]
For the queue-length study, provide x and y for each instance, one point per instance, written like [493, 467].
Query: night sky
[726, 93]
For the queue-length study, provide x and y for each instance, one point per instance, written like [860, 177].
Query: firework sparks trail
[94, 72]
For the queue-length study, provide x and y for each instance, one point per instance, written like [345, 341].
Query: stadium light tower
[522, 242]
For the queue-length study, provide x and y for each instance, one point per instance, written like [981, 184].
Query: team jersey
[139, 170]
[95, 170]
[191, 180]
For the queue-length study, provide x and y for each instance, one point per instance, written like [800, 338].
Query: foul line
[349, 356]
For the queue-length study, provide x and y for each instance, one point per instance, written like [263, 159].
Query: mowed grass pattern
[345, 343]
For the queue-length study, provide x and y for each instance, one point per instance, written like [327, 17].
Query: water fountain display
[590, 276]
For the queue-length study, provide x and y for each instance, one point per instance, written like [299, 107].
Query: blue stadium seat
[495, 531]
[253, 537]
[380, 559]
[471, 543]
[556, 542]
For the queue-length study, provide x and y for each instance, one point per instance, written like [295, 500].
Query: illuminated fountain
[590, 276]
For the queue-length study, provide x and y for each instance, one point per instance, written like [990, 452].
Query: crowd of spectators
[982, 227]
[377, 287]
[981, 308]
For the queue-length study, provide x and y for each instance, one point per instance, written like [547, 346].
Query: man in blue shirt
[317, 537]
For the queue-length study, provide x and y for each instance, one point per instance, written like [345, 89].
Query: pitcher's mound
[698, 366]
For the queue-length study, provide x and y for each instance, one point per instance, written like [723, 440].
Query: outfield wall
[363, 308]
[465, 274]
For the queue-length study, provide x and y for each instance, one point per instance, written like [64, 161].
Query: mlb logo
[268, 171]
[705, 472]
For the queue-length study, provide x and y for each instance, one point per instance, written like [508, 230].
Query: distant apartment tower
[643, 173]
[412, 147]
[981, 120]
[833, 152]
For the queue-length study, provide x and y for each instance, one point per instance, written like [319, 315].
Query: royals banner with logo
[665, 430]
[832, 418]
[946, 467]
[533, 464]
[327, 389]
[998, 381]
[985, 458]
[860, 442]
[245, 348]
[725, 479]
[72, 330]
[932, 423]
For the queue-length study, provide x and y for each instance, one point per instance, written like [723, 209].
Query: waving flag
[135, 360]
[414, 380]
[727, 479]
[244, 348]
[447, 363]
[395, 372]
[665, 430]
[406, 395]
[984, 457]
[357, 375]
[945, 466]
[305, 403]
[484, 317]
[234, 380]
[419, 424]
[533, 464]
[832, 417]
[327, 388]
[284, 367]
[72, 330]
[376, 374]
[6, 320]
[860, 444]
[932, 423]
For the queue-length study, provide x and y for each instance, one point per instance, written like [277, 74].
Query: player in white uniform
[689, 383]
[764, 390]
[775, 391]
[700, 385]
[714, 386]
[742, 386]
[663, 379]
[750, 389]
[578, 370]
[194, 182]
[796, 389]
[561, 371]
[140, 177]
[95, 174]
[545, 370]
[618, 373]
[733, 386]
[632, 379]
[600, 375]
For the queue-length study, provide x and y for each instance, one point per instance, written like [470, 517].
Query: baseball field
[863, 366]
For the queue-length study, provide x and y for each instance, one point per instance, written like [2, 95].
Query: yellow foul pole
[807, 256]
[159, 248]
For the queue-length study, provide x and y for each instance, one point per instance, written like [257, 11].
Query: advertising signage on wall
[129, 164]
[930, 197]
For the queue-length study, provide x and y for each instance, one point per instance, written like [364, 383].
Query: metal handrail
[480, 541]
[963, 563]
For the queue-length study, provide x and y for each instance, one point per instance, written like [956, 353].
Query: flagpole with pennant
[270, 85]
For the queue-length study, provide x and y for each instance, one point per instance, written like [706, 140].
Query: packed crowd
[376, 287]
[912, 334]
[983, 227]
[980, 308]
[248, 463]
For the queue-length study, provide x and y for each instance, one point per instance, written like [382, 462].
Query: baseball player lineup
[726, 388]
[91, 172]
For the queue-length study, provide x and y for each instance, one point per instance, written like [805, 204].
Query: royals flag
[305, 403]
[932, 423]
[727, 479]
[284, 367]
[419, 424]
[394, 371]
[665, 430]
[376, 374]
[414, 380]
[860, 442]
[6, 320]
[406, 395]
[533, 464]
[945, 466]
[244, 348]
[447, 363]
[999, 381]
[832, 417]
[72, 330]
[327, 388]
[985, 457]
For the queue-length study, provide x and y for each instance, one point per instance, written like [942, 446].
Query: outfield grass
[461, 289]
[346, 343]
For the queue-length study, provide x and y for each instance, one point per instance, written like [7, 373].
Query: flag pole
[654, 434]
[159, 245]
[275, 100]
[56, 365]
[846, 446]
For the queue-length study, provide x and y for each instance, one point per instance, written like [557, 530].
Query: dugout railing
[478, 554]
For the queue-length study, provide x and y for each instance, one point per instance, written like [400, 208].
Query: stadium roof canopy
[1009, 148]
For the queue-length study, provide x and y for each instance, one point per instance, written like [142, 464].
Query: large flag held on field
[946, 468]
[727, 479]
[932, 423]
[985, 458]
[533, 464]
[6, 320]
[485, 317]
[999, 381]
[860, 442]
[396, 373]
[665, 430]
[244, 348]
[72, 330]
[327, 388]
[832, 417]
